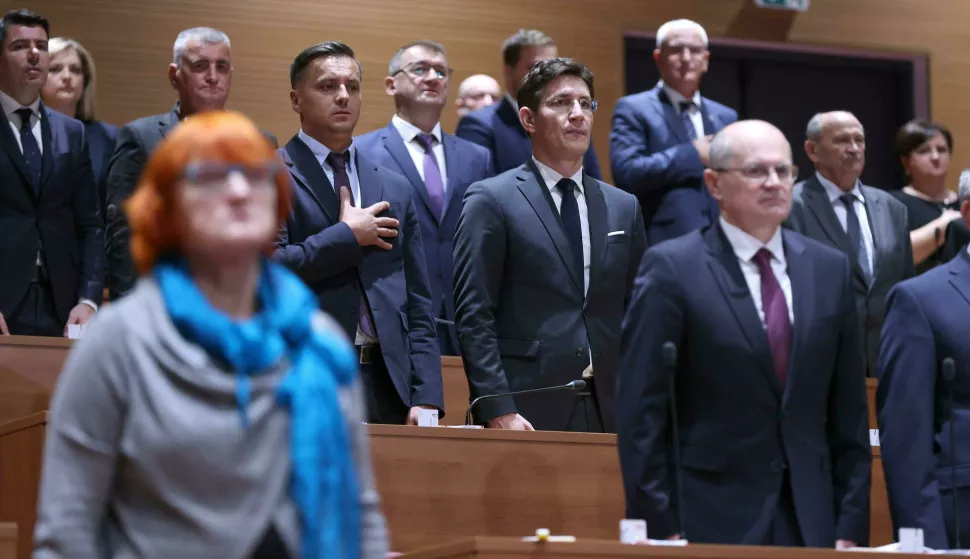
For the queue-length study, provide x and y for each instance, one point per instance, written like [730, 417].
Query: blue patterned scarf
[323, 479]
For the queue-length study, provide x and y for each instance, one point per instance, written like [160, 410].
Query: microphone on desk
[949, 373]
[574, 386]
[669, 355]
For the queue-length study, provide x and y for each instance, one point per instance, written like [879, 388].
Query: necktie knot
[686, 106]
[847, 200]
[763, 259]
[426, 140]
[24, 115]
[566, 186]
[338, 160]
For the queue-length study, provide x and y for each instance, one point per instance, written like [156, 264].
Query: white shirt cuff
[89, 303]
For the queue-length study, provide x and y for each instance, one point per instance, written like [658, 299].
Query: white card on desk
[873, 437]
[633, 530]
[911, 540]
[427, 418]
[75, 331]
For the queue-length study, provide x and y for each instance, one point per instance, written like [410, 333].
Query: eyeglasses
[214, 177]
[420, 71]
[761, 173]
[565, 104]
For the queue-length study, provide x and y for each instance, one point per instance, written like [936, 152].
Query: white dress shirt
[696, 117]
[552, 177]
[10, 106]
[745, 247]
[410, 133]
[859, 205]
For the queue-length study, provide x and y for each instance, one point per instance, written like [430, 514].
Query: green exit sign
[796, 5]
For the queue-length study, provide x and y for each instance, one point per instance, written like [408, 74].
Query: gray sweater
[146, 456]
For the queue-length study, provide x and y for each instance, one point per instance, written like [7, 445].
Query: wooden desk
[29, 367]
[456, 390]
[8, 540]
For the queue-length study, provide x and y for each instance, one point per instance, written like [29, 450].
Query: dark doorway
[786, 85]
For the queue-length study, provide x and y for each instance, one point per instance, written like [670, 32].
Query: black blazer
[101, 144]
[64, 217]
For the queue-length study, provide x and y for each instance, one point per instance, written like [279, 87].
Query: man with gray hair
[497, 127]
[660, 138]
[753, 328]
[868, 224]
[201, 72]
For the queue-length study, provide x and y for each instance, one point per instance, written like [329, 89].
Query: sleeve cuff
[89, 303]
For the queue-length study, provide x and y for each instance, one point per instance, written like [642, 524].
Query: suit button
[580, 352]
[352, 310]
[777, 465]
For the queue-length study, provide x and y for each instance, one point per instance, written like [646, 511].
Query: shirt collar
[321, 151]
[676, 98]
[409, 131]
[10, 105]
[510, 99]
[746, 246]
[553, 177]
[835, 193]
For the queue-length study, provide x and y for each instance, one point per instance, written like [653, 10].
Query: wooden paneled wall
[132, 40]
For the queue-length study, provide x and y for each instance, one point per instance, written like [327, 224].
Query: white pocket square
[615, 233]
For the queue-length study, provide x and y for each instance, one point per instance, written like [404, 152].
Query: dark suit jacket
[466, 163]
[323, 251]
[927, 320]
[522, 319]
[497, 128]
[652, 157]
[101, 144]
[135, 143]
[64, 218]
[739, 428]
[812, 215]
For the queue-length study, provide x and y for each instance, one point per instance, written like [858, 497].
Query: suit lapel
[394, 144]
[168, 121]
[803, 301]
[597, 217]
[818, 203]
[47, 136]
[960, 274]
[726, 270]
[535, 191]
[9, 143]
[455, 165]
[711, 126]
[880, 227]
[371, 187]
[674, 122]
[305, 168]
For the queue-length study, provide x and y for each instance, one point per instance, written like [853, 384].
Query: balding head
[836, 143]
[751, 176]
[476, 92]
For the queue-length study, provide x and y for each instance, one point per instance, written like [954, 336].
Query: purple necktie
[432, 174]
[775, 309]
[338, 162]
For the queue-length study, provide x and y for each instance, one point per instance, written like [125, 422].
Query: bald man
[753, 328]
[866, 223]
[475, 92]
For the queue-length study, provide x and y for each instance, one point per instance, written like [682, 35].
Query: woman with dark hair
[215, 411]
[924, 150]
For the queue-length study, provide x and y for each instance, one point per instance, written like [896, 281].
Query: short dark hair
[326, 49]
[25, 18]
[395, 64]
[545, 71]
[915, 133]
[521, 39]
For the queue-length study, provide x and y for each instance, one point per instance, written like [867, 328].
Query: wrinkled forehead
[842, 124]
[683, 37]
[197, 51]
[421, 53]
[572, 87]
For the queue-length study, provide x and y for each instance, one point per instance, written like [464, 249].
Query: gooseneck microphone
[574, 386]
[669, 355]
[949, 372]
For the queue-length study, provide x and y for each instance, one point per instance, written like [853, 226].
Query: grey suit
[522, 319]
[813, 215]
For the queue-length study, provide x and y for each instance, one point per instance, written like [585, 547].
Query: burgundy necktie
[432, 174]
[775, 308]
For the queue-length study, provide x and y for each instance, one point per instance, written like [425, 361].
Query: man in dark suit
[869, 225]
[51, 237]
[661, 137]
[927, 320]
[497, 127]
[354, 237]
[752, 328]
[201, 73]
[545, 257]
[438, 166]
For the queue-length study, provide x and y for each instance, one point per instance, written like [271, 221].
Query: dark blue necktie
[569, 213]
[685, 107]
[854, 229]
[31, 150]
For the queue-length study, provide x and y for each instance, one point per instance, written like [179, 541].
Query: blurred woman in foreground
[214, 411]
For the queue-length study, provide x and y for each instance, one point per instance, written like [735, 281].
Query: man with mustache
[51, 235]
[438, 166]
[545, 257]
[751, 328]
[660, 138]
[201, 73]
[869, 225]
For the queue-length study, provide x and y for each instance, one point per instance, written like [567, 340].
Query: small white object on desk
[911, 540]
[75, 331]
[873, 437]
[427, 418]
[542, 535]
[633, 530]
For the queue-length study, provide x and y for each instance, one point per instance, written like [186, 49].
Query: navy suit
[63, 218]
[465, 163]
[743, 435]
[324, 252]
[927, 320]
[101, 145]
[652, 157]
[497, 129]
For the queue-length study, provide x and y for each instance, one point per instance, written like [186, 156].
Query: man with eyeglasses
[353, 236]
[438, 166]
[661, 137]
[866, 223]
[545, 257]
[751, 329]
[201, 73]
[497, 127]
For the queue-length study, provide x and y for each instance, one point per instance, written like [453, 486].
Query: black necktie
[685, 107]
[569, 212]
[854, 230]
[31, 150]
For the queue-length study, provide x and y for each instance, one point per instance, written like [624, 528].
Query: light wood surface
[29, 367]
[8, 540]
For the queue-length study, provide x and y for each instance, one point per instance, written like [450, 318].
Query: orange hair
[217, 136]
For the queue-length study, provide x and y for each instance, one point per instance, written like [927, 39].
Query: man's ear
[173, 75]
[810, 147]
[527, 118]
[713, 186]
